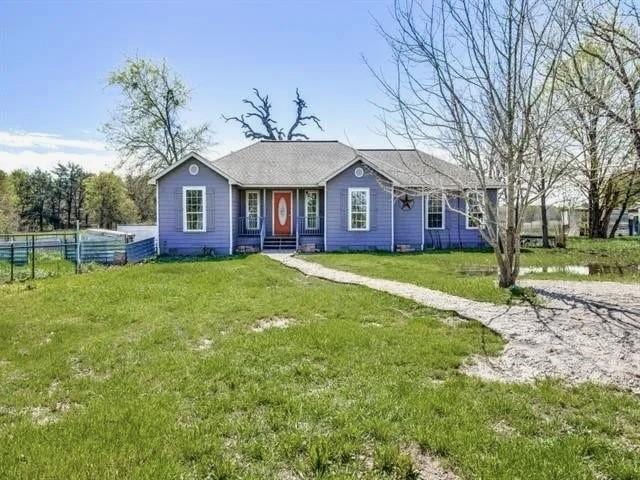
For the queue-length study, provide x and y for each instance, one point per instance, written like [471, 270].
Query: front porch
[281, 219]
[252, 232]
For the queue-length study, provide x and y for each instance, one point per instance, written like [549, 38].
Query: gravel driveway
[585, 331]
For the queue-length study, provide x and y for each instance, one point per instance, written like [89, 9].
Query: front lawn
[171, 370]
[468, 273]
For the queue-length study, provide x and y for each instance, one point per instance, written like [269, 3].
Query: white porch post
[422, 213]
[393, 226]
[324, 228]
[296, 218]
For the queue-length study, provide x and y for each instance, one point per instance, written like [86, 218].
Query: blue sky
[56, 57]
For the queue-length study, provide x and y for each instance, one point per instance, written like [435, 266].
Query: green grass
[154, 371]
[443, 270]
[48, 264]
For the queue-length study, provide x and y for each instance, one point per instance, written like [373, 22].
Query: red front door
[282, 213]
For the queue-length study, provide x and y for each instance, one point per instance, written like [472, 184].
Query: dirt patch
[82, 371]
[42, 415]
[504, 429]
[203, 344]
[454, 321]
[427, 466]
[272, 322]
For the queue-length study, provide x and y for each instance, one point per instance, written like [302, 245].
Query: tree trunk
[544, 219]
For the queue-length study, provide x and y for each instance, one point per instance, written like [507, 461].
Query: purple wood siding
[408, 223]
[236, 196]
[338, 236]
[171, 239]
[455, 234]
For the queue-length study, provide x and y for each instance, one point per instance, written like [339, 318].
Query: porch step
[279, 243]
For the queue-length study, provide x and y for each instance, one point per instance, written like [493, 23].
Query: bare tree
[268, 130]
[553, 158]
[146, 129]
[609, 35]
[471, 75]
[598, 143]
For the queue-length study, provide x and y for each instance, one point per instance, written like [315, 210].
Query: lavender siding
[408, 222]
[379, 236]
[455, 234]
[171, 239]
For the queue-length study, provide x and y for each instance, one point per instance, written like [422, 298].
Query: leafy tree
[143, 196]
[70, 185]
[146, 128]
[8, 205]
[35, 192]
[261, 111]
[20, 182]
[107, 201]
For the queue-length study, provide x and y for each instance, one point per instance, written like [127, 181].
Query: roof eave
[197, 156]
[359, 157]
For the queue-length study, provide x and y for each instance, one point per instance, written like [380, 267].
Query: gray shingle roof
[417, 168]
[306, 163]
[278, 163]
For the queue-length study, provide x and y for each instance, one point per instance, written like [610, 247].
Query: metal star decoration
[407, 202]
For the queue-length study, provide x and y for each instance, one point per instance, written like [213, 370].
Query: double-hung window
[359, 209]
[475, 212]
[253, 209]
[435, 211]
[311, 220]
[194, 206]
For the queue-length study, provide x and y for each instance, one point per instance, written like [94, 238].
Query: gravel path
[586, 331]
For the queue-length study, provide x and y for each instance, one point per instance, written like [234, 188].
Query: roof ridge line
[266, 140]
[389, 149]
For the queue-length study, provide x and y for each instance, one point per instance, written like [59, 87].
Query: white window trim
[246, 207]
[306, 209]
[426, 212]
[368, 197]
[184, 209]
[468, 216]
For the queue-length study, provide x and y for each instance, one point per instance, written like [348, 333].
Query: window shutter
[210, 209]
[344, 211]
[373, 214]
[178, 204]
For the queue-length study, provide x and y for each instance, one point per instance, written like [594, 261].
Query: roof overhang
[189, 156]
[359, 157]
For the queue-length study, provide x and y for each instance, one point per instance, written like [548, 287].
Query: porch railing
[311, 225]
[250, 226]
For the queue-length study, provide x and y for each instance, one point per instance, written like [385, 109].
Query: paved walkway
[586, 331]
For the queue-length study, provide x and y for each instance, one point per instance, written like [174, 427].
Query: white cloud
[30, 150]
[29, 160]
[47, 141]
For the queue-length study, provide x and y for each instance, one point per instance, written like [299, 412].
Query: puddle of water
[591, 269]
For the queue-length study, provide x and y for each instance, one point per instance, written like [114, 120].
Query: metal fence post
[12, 260]
[33, 257]
[77, 245]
